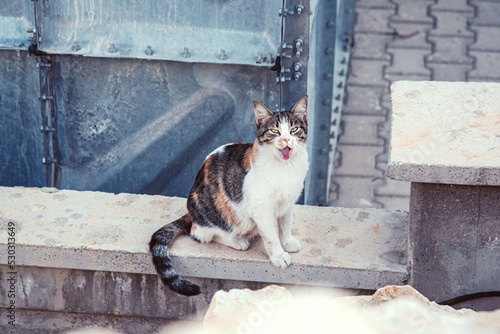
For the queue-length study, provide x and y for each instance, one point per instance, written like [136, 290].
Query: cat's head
[285, 132]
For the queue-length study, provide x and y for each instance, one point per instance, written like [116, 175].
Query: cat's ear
[261, 112]
[300, 108]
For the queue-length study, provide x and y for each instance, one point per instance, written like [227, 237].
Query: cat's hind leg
[232, 240]
[206, 234]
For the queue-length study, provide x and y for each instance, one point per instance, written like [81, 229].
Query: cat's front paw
[282, 260]
[292, 245]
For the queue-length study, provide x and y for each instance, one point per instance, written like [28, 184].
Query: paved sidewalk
[441, 40]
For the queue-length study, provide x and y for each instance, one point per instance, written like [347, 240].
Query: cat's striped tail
[158, 247]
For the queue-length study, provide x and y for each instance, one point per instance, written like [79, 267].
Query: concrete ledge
[350, 248]
[445, 132]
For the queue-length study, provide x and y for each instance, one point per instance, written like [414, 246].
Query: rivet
[185, 53]
[326, 102]
[297, 66]
[75, 47]
[18, 45]
[322, 151]
[299, 9]
[321, 200]
[327, 76]
[328, 51]
[323, 127]
[149, 51]
[297, 75]
[112, 48]
[321, 175]
[330, 24]
[269, 58]
[259, 59]
[222, 55]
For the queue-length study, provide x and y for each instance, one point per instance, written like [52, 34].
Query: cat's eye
[293, 130]
[276, 132]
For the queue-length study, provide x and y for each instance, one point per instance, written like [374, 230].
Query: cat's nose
[286, 140]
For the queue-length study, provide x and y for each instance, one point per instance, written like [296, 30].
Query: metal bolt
[327, 102]
[269, 58]
[112, 48]
[38, 65]
[75, 47]
[297, 75]
[299, 9]
[298, 43]
[327, 76]
[222, 55]
[328, 51]
[298, 52]
[323, 127]
[48, 161]
[31, 31]
[323, 151]
[330, 24]
[149, 51]
[321, 200]
[259, 59]
[321, 175]
[18, 45]
[297, 66]
[185, 53]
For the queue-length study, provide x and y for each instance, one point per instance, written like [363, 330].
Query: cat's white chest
[275, 186]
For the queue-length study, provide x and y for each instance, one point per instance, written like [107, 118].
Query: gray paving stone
[368, 72]
[487, 38]
[487, 14]
[391, 187]
[361, 130]
[410, 35]
[375, 4]
[450, 72]
[371, 46]
[451, 24]
[401, 203]
[363, 99]
[453, 5]
[392, 77]
[408, 61]
[487, 66]
[358, 160]
[412, 11]
[355, 192]
[450, 50]
[372, 20]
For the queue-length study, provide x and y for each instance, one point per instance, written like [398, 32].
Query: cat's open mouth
[285, 152]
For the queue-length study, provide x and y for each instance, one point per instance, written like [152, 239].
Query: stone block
[445, 132]
[394, 202]
[454, 239]
[103, 234]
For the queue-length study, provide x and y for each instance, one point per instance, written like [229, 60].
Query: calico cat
[244, 190]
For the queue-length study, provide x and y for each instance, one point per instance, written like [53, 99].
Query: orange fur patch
[222, 203]
[206, 170]
[250, 156]
[193, 228]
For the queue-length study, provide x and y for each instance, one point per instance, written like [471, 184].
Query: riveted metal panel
[21, 142]
[187, 31]
[16, 17]
[128, 125]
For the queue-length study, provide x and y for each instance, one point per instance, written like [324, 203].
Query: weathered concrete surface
[350, 248]
[445, 132]
[454, 240]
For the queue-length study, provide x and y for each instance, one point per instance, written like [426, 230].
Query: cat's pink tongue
[285, 153]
